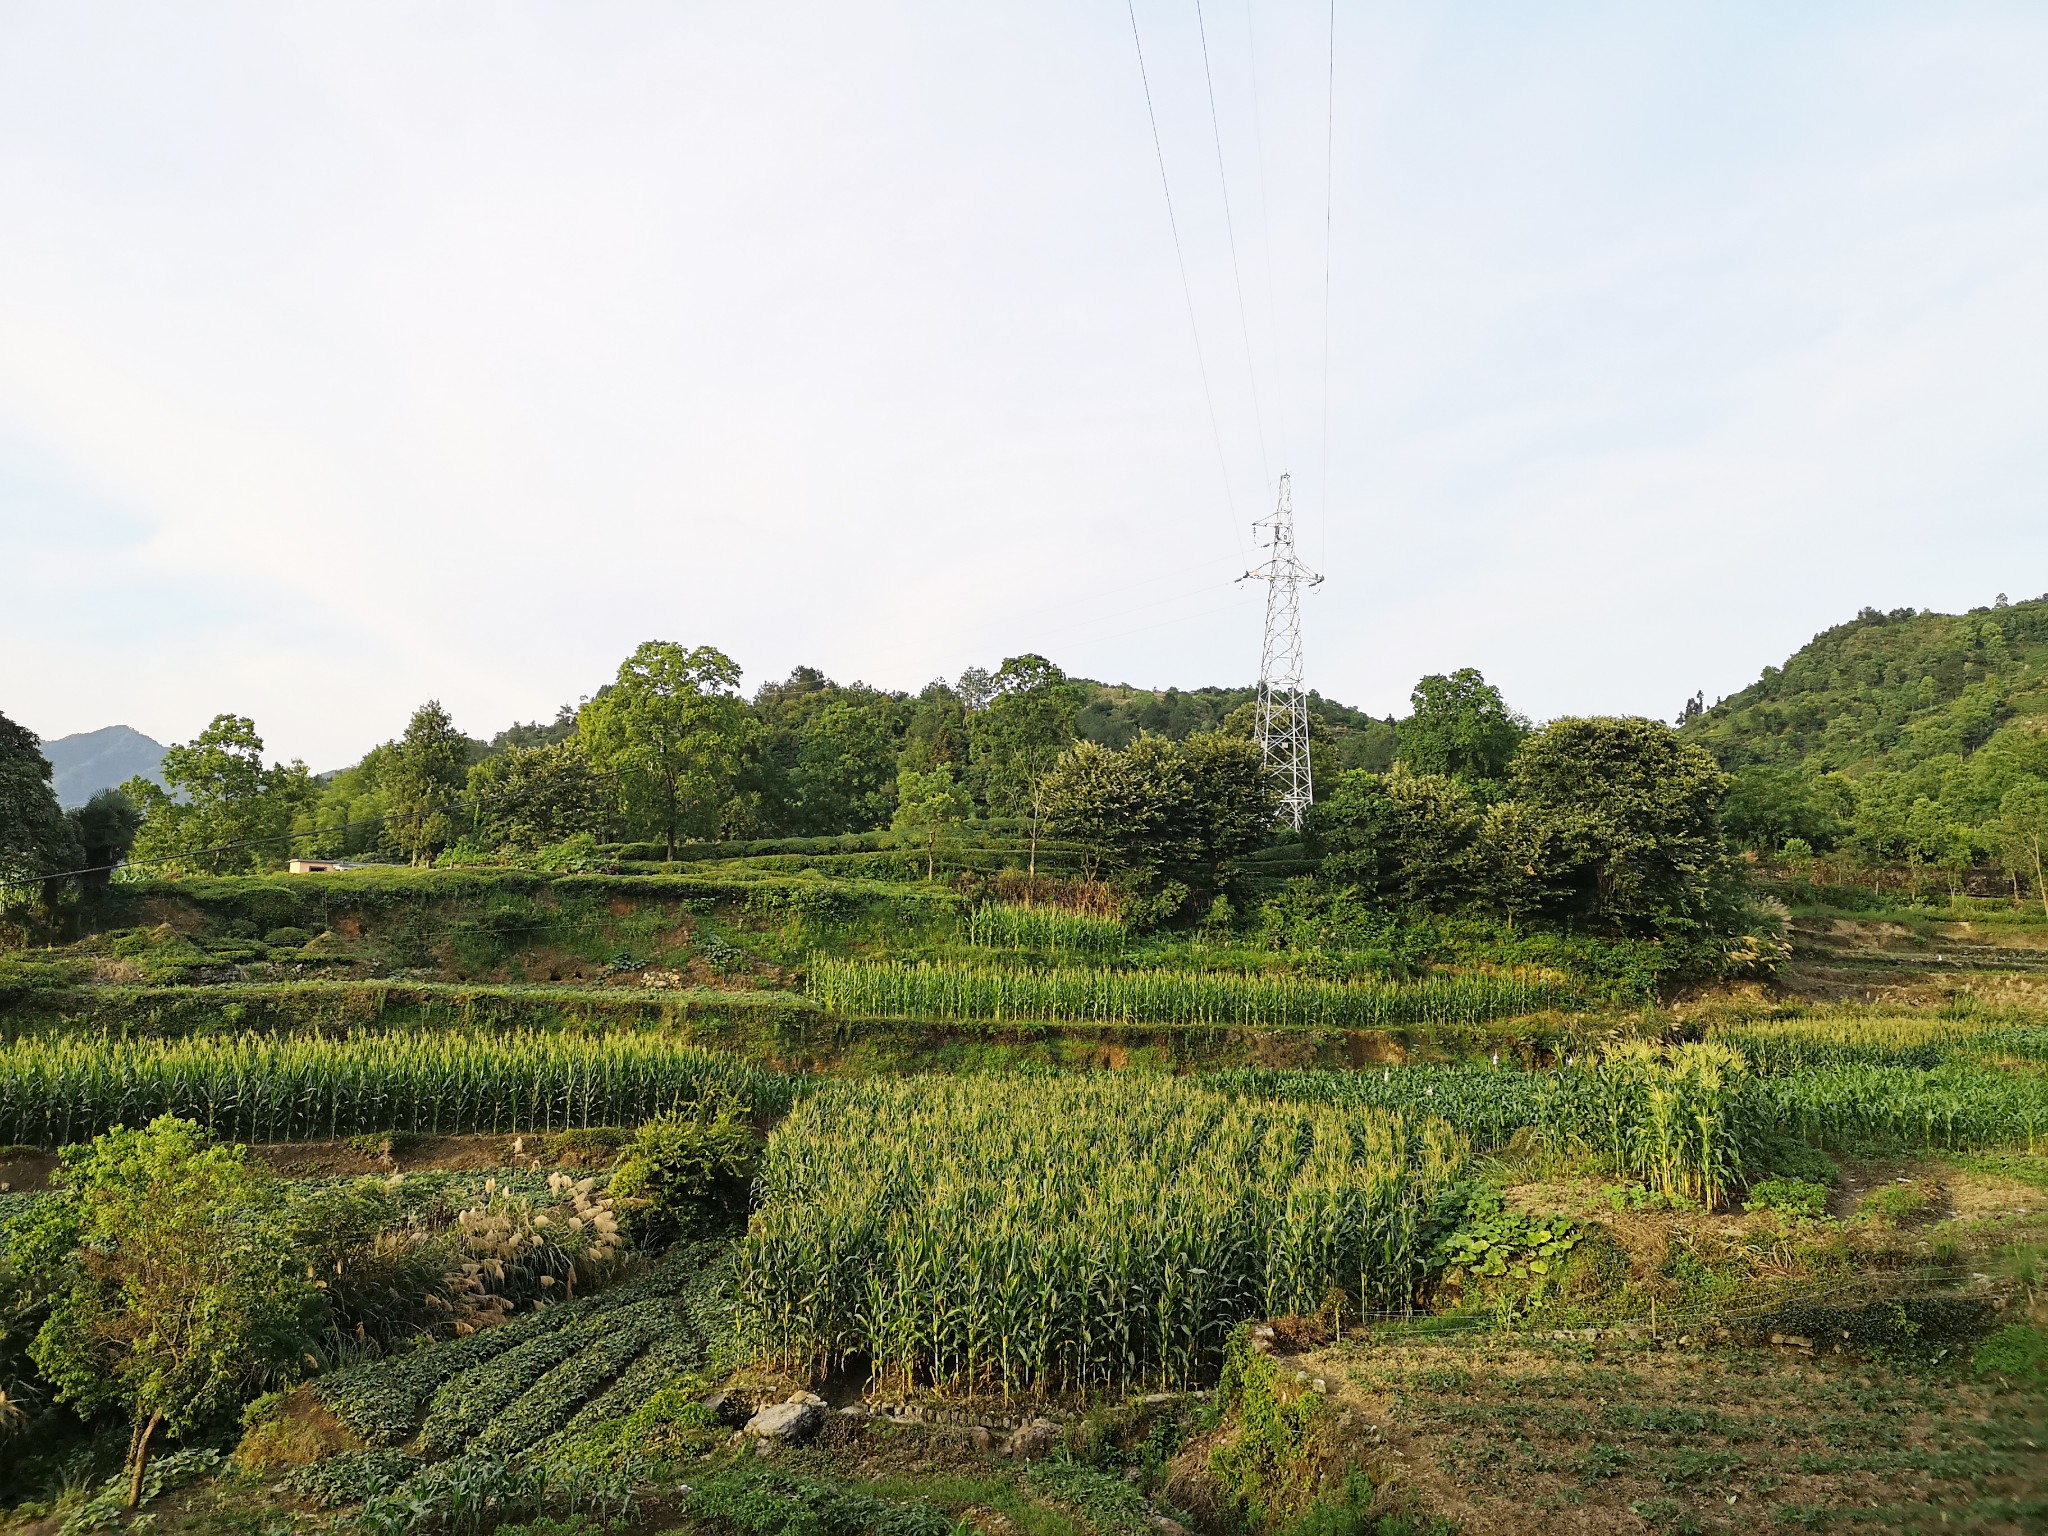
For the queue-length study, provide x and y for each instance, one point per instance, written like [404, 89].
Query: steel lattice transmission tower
[1283, 707]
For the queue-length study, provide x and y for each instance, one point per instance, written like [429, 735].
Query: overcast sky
[356, 354]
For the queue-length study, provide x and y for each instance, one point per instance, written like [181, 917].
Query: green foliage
[35, 837]
[527, 799]
[216, 795]
[1017, 737]
[930, 810]
[422, 783]
[2018, 1352]
[1273, 1431]
[172, 1292]
[264, 1089]
[1634, 810]
[1160, 808]
[672, 733]
[685, 1173]
[1460, 727]
[1788, 1197]
[484, 1383]
[745, 1500]
[891, 1222]
[106, 826]
[1494, 1243]
[351, 1477]
[1110, 1505]
[665, 1422]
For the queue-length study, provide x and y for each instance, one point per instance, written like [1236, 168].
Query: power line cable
[1329, 182]
[1186, 288]
[1265, 208]
[1230, 230]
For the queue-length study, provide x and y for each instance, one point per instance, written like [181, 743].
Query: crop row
[1685, 1119]
[928, 990]
[1962, 1104]
[1086, 1231]
[505, 1388]
[1835, 1040]
[1051, 930]
[53, 1092]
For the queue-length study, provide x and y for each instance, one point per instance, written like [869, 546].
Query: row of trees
[666, 752]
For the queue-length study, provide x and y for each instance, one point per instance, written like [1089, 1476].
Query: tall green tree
[422, 782]
[1401, 836]
[526, 798]
[36, 840]
[1634, 810]
[106, 826]
[219, 809]
[2022, 834]
[845, 774]
[1020, 733]
[1511, 861]
[674, 734]
[1460, 726]
[1159, 808]
[930, 810]
[172, 1289]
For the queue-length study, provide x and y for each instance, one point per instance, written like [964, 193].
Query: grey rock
[1033, 1441]
[790, 1421]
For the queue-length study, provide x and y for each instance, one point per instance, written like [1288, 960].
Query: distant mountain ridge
[91, 761]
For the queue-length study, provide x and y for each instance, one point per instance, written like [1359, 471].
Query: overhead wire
[1230, 232]
[1329, 183]
[1251, 47]
[1186, 288]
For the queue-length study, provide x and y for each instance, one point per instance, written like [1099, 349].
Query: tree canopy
[171, 1286]
[36, 839]
[219, 810]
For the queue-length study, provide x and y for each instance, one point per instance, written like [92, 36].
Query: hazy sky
[356, 354]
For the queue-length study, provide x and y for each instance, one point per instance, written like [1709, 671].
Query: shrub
[1788, 1197]
[765, 1501]
[2018, 1352]
[287, 938]
[685, 1174]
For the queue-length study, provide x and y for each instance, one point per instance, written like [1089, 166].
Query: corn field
[928, 990]
[1831, 1040]
[1684, 1119]
[1042, 1232]
[1960, 1105]
[1046, 930]
[1837, 1040]
[266, 1088]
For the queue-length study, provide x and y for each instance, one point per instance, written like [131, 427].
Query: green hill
[1888, 718]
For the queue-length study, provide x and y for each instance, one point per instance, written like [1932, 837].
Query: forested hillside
[1902, 737]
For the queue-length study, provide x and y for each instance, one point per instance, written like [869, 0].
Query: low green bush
[1788, 1197]
[685, 1174]
[2018, 1352]
[756, 1500]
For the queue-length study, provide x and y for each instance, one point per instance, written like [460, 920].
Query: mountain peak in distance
[91, 761]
